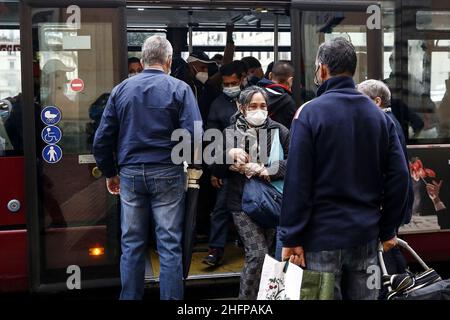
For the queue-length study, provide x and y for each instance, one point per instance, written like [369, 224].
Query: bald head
[282, 72]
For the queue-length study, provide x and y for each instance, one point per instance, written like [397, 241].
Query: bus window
[10, 89]
[429, 88]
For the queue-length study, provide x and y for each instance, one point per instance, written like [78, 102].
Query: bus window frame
[374, 37]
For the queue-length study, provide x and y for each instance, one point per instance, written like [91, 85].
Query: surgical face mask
[232, 92]
[256, 117]
[202, 76]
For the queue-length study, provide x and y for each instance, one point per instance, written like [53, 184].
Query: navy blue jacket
[345, 163]
[398, 128]
[139, 118]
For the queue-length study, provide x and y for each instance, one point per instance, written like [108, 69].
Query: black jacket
[236, 181]
[281, 105]
[221, 111]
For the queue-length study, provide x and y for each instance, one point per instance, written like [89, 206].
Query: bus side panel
[13, 261]
[433, 246]
[12, 188]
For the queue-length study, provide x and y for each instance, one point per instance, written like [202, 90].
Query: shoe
[214, 257]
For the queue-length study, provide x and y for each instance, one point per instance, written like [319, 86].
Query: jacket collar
[336, 83]
[279, 88]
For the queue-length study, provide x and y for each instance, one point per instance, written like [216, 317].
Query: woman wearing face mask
[246, 157]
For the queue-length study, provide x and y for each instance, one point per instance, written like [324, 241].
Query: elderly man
[135, 130]
[346, 181]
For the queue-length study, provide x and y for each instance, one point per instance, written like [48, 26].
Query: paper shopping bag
[287, 281]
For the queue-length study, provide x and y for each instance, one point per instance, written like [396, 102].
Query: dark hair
[134, 60]
[338, 55]
[234, 67]
[251, 62]
[269, 70]
[217, 56]
[241, 65]
[283, 70]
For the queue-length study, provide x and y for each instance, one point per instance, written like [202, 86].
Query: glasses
[316, 79]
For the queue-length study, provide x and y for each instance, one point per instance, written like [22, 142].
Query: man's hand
[216, 182]
[295, 255]
[389, 244]
[113, 185]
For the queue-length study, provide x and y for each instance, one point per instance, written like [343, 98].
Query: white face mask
[256, 117]
[202, 76]
[232, 92]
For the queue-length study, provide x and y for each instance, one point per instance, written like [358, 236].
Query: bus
[60, 59]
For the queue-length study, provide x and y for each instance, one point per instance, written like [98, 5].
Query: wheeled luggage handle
[402, 244]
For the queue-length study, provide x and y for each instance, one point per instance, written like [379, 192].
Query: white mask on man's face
[202, 76]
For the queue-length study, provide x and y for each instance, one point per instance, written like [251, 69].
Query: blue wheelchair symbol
[52, 153]
[50, 115]
[51, 134]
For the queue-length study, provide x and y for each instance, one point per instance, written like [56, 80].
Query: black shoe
[214, 257]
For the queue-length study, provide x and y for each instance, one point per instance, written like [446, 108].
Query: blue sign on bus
[50, 115]
[52, 153]
[51, 134]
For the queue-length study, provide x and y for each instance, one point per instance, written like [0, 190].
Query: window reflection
[10, 97]
[428, 88]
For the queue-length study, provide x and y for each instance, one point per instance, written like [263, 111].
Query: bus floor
[231, 266]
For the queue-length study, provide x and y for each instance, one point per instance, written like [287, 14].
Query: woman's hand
[238, 155]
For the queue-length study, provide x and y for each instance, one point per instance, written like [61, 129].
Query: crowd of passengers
[342, 168]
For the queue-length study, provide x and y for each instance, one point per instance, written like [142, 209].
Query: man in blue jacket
[346, 181]
[135, 136]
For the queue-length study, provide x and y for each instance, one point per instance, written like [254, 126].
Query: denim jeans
[278, 245]
[219, 219]
[160, 188]
[350, 268]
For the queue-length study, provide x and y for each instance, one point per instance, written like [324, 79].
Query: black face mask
[316, 79]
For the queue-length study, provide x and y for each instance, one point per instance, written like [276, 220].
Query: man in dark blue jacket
[135, 134]
[346, 181]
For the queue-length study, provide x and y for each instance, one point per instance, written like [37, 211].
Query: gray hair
[246, 96]
[339, 55]
[375, 88]
[156, 50]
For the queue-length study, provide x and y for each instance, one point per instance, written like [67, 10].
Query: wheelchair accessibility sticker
[51, 134]
[50, 115]
[52, 154]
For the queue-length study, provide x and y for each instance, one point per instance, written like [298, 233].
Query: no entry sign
[77, 85]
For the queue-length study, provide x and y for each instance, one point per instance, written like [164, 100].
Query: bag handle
[402, 244]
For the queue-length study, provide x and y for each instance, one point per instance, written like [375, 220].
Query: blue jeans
[161, 188]
[350, 268]
[278, 245]
[219, 219]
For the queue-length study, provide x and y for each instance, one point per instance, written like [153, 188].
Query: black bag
[261, 201]
[426, 285]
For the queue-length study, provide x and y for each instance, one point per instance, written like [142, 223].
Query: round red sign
[77, 85]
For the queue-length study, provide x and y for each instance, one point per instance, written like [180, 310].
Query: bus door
[13, 233]
[423, 103]
[313, 22]
[73, 54]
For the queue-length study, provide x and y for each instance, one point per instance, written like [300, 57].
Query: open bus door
[313, 22]
[73, 54]
[423, 104]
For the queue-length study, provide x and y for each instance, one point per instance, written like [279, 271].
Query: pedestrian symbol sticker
[51, 134]
[50, 115]
[52, 153]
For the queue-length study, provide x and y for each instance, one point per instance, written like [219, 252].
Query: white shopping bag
[280, 280]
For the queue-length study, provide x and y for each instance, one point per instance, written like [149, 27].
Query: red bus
[56, 217]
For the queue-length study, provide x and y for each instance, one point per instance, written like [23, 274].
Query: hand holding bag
[287, 281]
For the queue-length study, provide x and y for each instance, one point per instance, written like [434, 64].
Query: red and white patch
[77, 85]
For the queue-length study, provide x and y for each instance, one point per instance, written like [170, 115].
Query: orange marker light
[96, 251]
